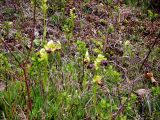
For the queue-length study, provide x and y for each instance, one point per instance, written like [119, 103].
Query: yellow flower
[58, 45]
[43, 54]
[96, 50]
[98, 79]
[52, 46]
[86, 58]
[98, 61]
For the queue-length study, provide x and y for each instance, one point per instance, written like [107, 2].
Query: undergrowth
[76, 77]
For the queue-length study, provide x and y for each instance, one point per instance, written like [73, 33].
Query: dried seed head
[148, 75]
[143, 92]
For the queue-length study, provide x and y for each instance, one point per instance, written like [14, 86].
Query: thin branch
[33, 30]
[149, 52]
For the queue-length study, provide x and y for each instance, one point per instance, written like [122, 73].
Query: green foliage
[156, 91]
[69, 24]
[58, 18]
[81, 47]
[44, 8]
[112, 75]
[128, 48]
[82, 78]
[132, 2]
[12, 99]
[109, 1]
[57, 5]
[4, 64]
[9, 12]
[6, 27]
[152, 15]
[110, 29]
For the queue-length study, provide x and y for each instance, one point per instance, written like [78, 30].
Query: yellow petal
[97, 78]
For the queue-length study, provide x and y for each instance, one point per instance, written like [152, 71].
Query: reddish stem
[27, 89]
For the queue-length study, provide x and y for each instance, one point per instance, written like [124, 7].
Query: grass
[93, 76]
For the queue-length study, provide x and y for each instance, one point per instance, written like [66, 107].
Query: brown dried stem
[149, 52]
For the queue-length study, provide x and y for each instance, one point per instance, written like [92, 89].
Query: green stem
[45, 28]
[95, 97]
